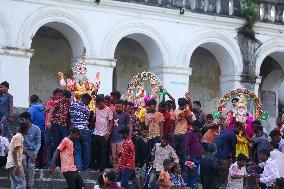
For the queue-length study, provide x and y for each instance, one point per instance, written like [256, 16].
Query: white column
[14, 68]
[229, 82]
[174, 79]
[105, 67]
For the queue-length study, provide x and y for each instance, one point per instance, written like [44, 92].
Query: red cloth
[167, 122]
[127, 155]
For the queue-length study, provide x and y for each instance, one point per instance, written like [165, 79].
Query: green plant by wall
[250, 11]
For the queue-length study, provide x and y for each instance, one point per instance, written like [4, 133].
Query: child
[14, 163]
[68, 168]
[176, 178]
[126, 163]
[164, 178]
[4, 148]
[140, 143]
[154, 121]
[242, 146]
[121, 119]
[237, 173]
[167, 117]
[163, 151]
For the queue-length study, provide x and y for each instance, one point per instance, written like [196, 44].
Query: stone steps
[44, 180]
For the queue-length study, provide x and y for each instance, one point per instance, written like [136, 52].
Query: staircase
[43, 180]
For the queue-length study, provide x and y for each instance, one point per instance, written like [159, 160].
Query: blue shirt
[79, 115]
[226, 144]
[37, 114]
[32, 140]
[5, 101]
[120, 120]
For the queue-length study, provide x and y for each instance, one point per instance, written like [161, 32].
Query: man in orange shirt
[181, 117]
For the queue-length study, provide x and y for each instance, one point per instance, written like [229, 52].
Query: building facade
[198, 50]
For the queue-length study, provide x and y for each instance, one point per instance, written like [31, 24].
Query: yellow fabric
[242, 145]
[141, 114]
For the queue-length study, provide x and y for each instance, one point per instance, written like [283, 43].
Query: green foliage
[250, 11]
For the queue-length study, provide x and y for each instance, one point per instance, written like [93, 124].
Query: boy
[121, 119]
[165, 178]
[79, 117]
[4, 148]
[193, 149]
[270, 172]
[37, 112]
[58, 119]
[154, 121]
[102, 131]
[15, 158]
[126, 163]
[237, 173]
[140, 143]
[6, 109]
[68, 168]
[167, 117]
[180, 118]
[209, 168]
[32, 143]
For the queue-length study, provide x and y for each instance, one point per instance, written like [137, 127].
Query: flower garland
[136, 85]
[259, 112]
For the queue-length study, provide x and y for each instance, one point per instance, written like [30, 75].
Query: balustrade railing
[270, 10]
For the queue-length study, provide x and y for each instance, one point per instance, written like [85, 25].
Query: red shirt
[61, 111]
[127, 156]
[167, 122]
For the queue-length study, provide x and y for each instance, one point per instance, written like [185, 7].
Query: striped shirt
[79, 115]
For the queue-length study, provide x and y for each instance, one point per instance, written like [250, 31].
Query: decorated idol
[80, 84]
[239, 112]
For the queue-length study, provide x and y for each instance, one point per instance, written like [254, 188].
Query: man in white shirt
[102, 131]
[270, 172]
[278, 156]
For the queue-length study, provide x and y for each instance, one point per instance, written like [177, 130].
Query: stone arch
[226, 50]
[5, 31]
[65, 21]
[273, 48]
[145, 34]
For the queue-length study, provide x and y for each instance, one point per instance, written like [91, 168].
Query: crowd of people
[177, 146]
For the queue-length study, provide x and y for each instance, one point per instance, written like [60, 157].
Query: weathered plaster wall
[204, 84]
[52, 54]
[131, 59]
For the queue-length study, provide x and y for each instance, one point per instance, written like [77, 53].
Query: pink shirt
[102, 118]
[66, 155]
